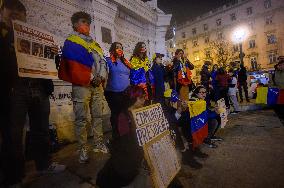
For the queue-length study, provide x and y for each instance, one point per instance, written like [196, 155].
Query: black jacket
[9, 69]
[242, 75]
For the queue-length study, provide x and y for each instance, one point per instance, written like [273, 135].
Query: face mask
[142, 50]
[84, 29]
[119, 52]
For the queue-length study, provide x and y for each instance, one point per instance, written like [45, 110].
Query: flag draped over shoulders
[199, 121]
[77, 60]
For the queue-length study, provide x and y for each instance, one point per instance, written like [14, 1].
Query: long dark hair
[113, 47]
[197, 90]
[221, 71]
[136, 51]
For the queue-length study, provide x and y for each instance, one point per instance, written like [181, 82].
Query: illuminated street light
[238, 37]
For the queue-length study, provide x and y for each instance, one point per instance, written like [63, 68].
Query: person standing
[140, 73]
[233, 91]
[205, 75]
[84, 66]
[118, 81]
[222, 79]
[242, 81]
[214, 82]
[182, 74]
[22, 96]
[159, 74]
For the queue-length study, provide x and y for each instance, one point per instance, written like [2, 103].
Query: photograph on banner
[152, 130]
[223, 112]
[35, 51]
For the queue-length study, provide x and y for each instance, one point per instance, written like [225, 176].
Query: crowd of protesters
[126, 85]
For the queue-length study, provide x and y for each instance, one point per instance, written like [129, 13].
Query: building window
[106, 35]
[268, 20]
[251, 25]
[196, 56]
[194, 31]
[272, 57]
[206, 39]
[253, 63]
[271, 39]
[194, 43]
[236, 47]
[183, 34]
[205, 27]
[219, 22]
[252, 43]
[233, 17]
[220, 36]
[208, 54]
[267, 3]
[184, 46]
[249, 11]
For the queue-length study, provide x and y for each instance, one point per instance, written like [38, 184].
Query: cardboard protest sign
[223, 112]
[152, 130]
[35, 51]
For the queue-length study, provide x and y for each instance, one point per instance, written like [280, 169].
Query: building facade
[264, 37]
[125, 21]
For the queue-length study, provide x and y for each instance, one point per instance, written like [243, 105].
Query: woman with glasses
[118, 81]
[182, 74]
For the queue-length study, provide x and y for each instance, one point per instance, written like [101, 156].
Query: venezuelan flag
[77, 61]
[199, 121]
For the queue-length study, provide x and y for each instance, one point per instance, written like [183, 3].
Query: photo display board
[35, 51]
[152, 130]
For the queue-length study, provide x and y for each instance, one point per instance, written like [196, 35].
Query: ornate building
[126, 21]
[263, 43]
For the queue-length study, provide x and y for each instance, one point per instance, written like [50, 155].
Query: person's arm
[190, 65]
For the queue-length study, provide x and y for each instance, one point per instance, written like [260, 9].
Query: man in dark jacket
[205, 75]
[242, 80]
[21, 97]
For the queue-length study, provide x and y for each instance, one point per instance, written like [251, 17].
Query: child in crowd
[159, 72]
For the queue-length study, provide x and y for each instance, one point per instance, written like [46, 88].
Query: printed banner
[35, 51]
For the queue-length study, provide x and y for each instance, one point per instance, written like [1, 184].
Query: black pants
[224, 94]
[116, 102]
[26, 100]
[245, 87]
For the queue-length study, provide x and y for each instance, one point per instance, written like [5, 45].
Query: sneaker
[216, 138]
[210, 144]
[100, 148]
[54, 168]
[198, 153]
[83, 156]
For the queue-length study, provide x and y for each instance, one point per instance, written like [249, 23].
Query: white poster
[34, 51]
[223, 112]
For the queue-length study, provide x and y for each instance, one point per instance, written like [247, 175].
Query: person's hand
[96, 81]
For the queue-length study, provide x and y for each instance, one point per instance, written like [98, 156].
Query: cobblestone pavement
[251, 155]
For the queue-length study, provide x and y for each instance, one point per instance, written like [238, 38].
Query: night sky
[186, 9]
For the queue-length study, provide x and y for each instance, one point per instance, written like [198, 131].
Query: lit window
[249, 11]
[208, 54]
[268, 20]
[184, 46]
[267, 3]
[196, 56]
[220, 35]
[272, 57]
[194, 31]
[252, 44]
[253, 63]
[195, 43]
[233, 17]
[219, 22]
[205, 27]
[271, 39]
[183, 34]
[206, 40]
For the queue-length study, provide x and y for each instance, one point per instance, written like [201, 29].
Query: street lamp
[238, 36]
